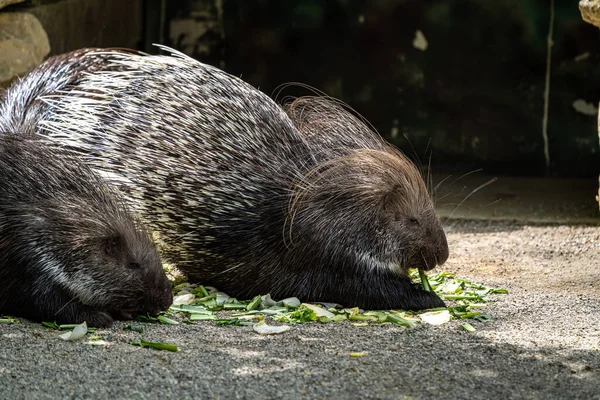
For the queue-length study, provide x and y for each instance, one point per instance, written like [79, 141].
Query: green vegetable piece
[351, 311]
[396, 319]
[468, 327]
[7, 321]
[483, 317]
[319, 312]
[202, 290]
[424, 281]
[51, 325]
[254, 304]
[267, 301]
[181, 286]
[233, 321]
[462, 297]
[63, 327]
[207, 299]
[275, 310]
[291, 302]
[202, 317]
[134, 328]
[361, 317]
[166, 321]
[467, 315]
[146, 318]
[299, 316]
[339, 318]
[234, 306]
[190, 309]
[156, 346]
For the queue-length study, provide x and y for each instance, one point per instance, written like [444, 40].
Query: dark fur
[69, 250]
[306, 202]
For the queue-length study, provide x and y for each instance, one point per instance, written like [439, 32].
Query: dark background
[473, 98]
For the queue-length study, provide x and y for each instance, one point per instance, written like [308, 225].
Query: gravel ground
[543, 343]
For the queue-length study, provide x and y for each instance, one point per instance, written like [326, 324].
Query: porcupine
[70, 251]
[310, 203]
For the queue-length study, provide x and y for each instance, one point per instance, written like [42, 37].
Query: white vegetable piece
[435, 317]
[265, 329]
[77, 333]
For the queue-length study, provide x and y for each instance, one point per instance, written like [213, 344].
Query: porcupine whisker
[451, 227]
[63, 307]
[440, 183]
[214, 275]
[489, 182]
[424, 260]
[429, 182]
[418, 162]
[449, 192]
[465, 175]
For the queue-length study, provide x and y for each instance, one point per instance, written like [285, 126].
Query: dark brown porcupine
[70, 251]
[251, 199]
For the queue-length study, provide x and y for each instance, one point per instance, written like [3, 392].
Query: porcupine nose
[166, 298]
[442, 252]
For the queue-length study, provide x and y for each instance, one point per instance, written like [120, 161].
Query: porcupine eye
[134, 265]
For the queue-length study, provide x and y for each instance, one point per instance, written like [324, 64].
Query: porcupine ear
[112, 245]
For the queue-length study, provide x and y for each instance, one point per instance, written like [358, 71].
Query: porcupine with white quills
[302, 200]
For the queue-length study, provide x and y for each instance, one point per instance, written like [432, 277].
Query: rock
[23, 44]
[590, 11]
[4, 3]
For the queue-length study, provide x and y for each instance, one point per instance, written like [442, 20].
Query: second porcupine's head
[108, 260]
[79, 233]
[365, 201]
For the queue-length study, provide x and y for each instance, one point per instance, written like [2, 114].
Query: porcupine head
[70, 251]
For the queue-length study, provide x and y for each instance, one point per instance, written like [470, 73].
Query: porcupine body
[70, 250]
[248, 197]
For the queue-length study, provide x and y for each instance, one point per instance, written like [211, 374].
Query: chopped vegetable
[435, 317]
[359, 354]
[202, 317]
[155, 345]
[301, 315]
[96, 342]
[398, 320]
[254, 304]
[201, 304]
[134, 328]
[424, 281]
[184, 299]
[78, 332]
[468, 327]
[167, 321]
[319, 312]
[233, 321]
[264, 329]
[291, 302]
[202, 290]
